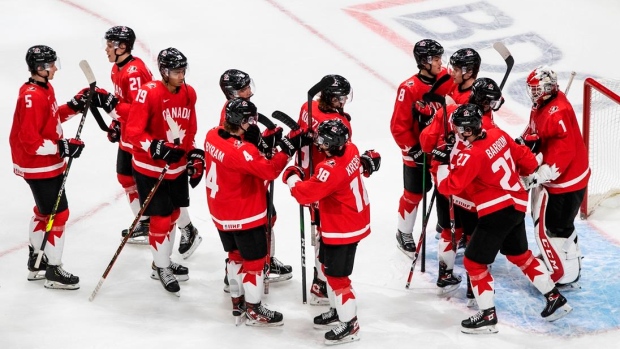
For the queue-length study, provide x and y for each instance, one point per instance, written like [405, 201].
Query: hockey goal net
[601, 128]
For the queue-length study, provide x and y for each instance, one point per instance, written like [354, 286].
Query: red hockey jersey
[154, 103]
[235, 179]
[343, 201]
[318, 117]
[36, 128]
[561, 144]
[127, 80]
[489, 171]
[405, 129]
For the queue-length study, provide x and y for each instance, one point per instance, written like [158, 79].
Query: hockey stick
[507, 56]
[286, 120]
[92, 82]
[450, 198]
[95, 111]
[570, 82]
[268, 232]
[174, 129]
[431, 96]
[422, 238]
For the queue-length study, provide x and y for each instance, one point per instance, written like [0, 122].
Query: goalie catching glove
[544, 174]
[371, 161]
[195, 166]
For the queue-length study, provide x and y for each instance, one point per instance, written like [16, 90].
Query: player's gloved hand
[252, 135]
[423, 112]
[271, 137]
[544, 174]
[450, 138]
[429, 97]
[195, 166]
[417, 154]
[114, 131]
[531, 141]
[105, 100]
[294, 141]
[442, 153]
[70, 148]
[78, 102]
[162, 150]
[290, 171]
[371, 161]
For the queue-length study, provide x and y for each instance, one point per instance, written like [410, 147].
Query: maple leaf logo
[346, 293]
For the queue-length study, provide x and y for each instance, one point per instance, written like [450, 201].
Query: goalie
[560, 181]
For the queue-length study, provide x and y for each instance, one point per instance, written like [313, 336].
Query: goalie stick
[174, 129]
[92, 83]
[507, 56]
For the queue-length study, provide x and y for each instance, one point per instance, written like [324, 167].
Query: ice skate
[258, 315]
[327, 320]
[238, 310]
[140, 234]
[406, 243]
[346, 332]
[483, 322]
[447, 282]
[57, 278]
[170, 283]
[318, 292]
[471, 299]
[35, 274]
[278, 271]
[190, 240]
[180, 272]
[557, 307]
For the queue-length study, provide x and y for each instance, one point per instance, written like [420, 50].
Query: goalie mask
[542, 84]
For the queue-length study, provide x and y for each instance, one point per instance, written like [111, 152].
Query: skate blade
[347, 339]
[154, 276]
[227, 288]
[138, 241]
[193, 248]
[559, 313]
[481, 330]
[327, 326]
[36, 275]
[568, 287]
[471, 303]
[447, 291]
[314, 300]
[411, 255]
[240, 319]
[255, 323]
[280, 277]
[60, 286]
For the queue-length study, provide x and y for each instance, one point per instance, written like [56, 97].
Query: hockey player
[410, 116]
[236, 194]
[465, 65]
[338, 188]
[161, 108]
[128, 74]
[488, 170]
[38, 150]
[553, 133]
[236, 83]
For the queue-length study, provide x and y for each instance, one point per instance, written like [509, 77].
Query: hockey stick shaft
[507, 56]
[423, 241]
[570, 82]
[422, 238]
[268, 232]
[99, 119]
[92, 82]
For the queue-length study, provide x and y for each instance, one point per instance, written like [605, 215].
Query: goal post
[601, 129]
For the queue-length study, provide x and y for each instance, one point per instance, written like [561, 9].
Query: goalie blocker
[561, 255]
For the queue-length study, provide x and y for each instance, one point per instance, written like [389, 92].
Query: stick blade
[88, 72]
[285, 119]
[263, 119]
[502, 50]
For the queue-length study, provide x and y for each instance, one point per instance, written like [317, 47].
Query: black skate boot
[180, 272]
[557, 306]
[447, 281]
[258, 315]
[190, 240]
[318, 291]
[34, 273]
[170, 283]
[327, 320]
[226, 284]
[140, 234]
[471, 299]
[278, 271]
[238, 309]
[346, 332]
[483, 322]
[57, 278]
[406, 243]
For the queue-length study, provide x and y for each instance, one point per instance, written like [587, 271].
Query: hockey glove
[70, 148]
[114, 132]
[195, 166]
[423, 113]
[252, 135]
[294, 141]
[104, 99]
[78, 102]
[371, 161]
[544, 174]
[417, 154]
[162, 150]
[531, 141]
[290, 171]
[272, 137]
[442, 153]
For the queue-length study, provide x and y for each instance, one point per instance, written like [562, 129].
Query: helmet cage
[541, 83]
